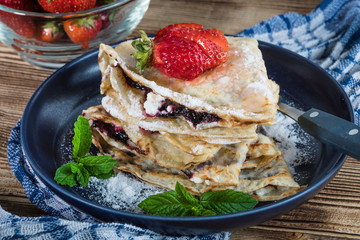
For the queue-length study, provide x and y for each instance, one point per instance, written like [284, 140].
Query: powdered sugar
[122, 192]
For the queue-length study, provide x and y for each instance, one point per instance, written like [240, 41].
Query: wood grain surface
[334, 213]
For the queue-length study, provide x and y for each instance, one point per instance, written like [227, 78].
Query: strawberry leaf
[143, 52]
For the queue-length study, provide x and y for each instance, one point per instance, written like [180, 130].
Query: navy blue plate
[55, 105]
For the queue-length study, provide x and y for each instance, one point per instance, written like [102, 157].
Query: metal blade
[292, 112]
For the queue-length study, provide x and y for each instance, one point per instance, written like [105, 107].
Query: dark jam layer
[136, 85]
[176, 109]
[180, 110]
[116, 133]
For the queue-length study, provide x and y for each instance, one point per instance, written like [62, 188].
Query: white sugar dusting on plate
[121, 192]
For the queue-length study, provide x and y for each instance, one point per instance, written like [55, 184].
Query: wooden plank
[229, 16]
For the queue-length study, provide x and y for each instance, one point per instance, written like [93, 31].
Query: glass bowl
[23, 31]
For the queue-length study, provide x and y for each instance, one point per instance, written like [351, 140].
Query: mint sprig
[84, 166]
[98, 165]
[227, 201]
[174, 203]
[181, 203]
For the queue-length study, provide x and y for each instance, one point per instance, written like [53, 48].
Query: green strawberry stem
[143, 55]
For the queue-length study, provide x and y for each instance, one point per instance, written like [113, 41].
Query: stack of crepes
[206, 134]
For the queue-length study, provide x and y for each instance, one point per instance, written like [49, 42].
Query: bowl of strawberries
[49, 33]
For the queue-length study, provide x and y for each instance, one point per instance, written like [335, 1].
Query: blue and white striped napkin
[329, 36]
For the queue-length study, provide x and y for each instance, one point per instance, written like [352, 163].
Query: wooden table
[333, 213]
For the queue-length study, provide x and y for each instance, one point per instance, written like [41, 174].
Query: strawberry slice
[217, 37]
[180, 58]
[177, 25]
[210, 42]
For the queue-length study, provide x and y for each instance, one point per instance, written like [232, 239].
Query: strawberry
[107, 18]
[177, 25]
[180, 58]
[217, 37]
[25, 5]
[50, 32]
[206, 39]
[183, 50]
[63, 6]
[82, 30]
[21, 25]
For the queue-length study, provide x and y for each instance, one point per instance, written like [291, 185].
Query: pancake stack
[206, 134]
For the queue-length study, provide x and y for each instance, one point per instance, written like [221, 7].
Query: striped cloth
[329, 36]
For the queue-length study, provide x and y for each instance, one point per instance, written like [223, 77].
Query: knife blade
[329, 129]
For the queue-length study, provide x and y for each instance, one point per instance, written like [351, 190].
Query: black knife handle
[329, 129]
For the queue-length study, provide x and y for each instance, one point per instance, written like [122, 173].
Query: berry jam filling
[172, 109]
[117, 133]
[136, 85]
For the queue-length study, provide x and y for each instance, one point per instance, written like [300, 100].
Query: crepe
[267, 178]
[167, 150]
[122, 99]
[236, 92]
[216, 135]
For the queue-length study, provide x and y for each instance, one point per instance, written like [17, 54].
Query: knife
[329, 129]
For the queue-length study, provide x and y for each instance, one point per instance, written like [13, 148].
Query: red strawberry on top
[82, 30]
[180, 58]
[161, 32]
[63, 6]
[183, 50]
[212, 44]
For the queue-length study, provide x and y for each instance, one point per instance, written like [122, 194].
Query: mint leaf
[184, 196]
[168, 204]
[82, 175]
[82, 138]
[98, 166]
[72, 173]
[65, 176]
[174, 203]
[200, 211]
[227, 201]
[79, 172]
